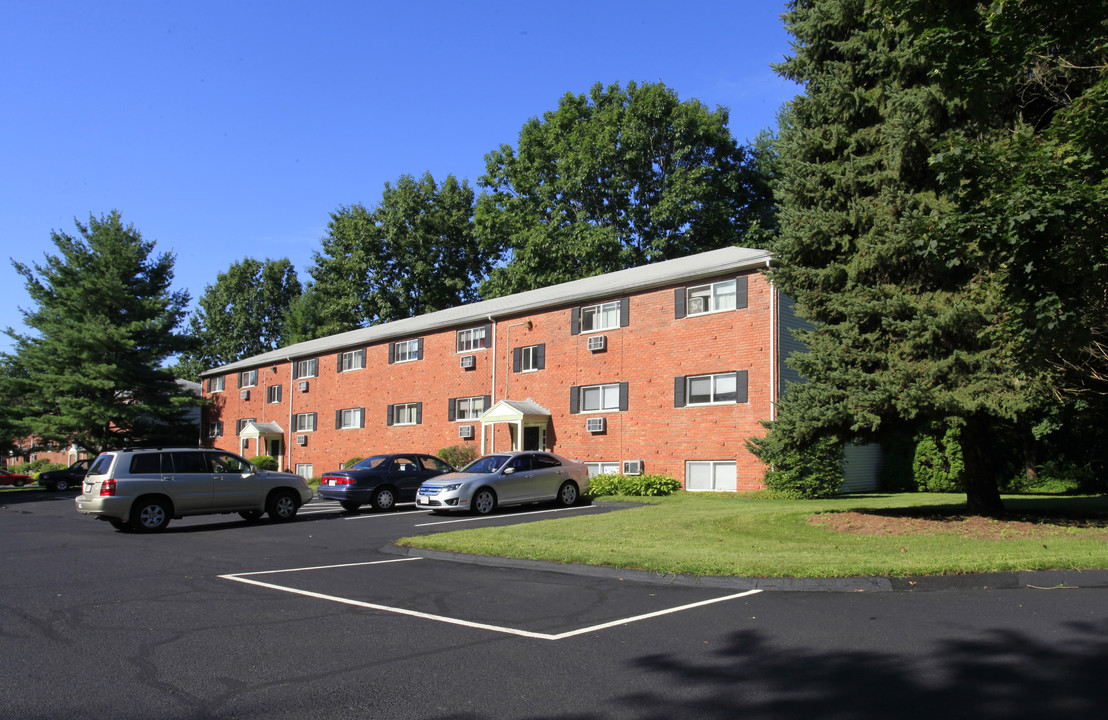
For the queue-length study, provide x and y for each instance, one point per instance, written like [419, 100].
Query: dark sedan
[66, 478]
[381, 481]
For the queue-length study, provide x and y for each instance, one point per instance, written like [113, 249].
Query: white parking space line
[493, 517]
[371, 516]
[245, 578]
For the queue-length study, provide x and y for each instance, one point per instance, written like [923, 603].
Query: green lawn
[750, 535]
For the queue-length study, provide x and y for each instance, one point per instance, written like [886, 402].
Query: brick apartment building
[667, 368]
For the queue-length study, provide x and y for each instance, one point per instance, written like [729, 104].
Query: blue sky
[225, 130]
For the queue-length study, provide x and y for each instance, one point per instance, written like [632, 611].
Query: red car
[7, 478]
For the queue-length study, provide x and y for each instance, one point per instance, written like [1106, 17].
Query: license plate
[88, 487]
[331, 483]
[423, 501]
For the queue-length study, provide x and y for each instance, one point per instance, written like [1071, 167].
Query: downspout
[492, 394]
[772, 349]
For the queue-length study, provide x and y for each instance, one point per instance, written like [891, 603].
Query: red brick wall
[647, 354]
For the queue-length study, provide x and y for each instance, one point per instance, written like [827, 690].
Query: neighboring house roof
[707, 264]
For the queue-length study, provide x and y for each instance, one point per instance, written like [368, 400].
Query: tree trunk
[978, 452]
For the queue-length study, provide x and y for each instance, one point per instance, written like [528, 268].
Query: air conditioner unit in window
[598, 343]
[303, 386]
[465, 431]
[595, 424]
[469, 361]
[698, 305]
[303, 440]
[245, 394]
[632, 467]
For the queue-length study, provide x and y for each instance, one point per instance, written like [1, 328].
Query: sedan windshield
[487, 464]
[370, 462]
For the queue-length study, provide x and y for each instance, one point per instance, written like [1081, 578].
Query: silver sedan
[506, 479]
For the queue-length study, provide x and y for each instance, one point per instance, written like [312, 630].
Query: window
[710, 297]
[469, 408]
[215, 384]
[304, 422]
[273, 394]
[248, 378]
[352, 360]
[529, 359]
[598, 398]
[406, 351]
[240, 424]
[306, 368]
[600, 317]
[304, 470]
[602, 468]
[434, 464]
[720, 475]
[717, 389]
[405, 414]
[350, 418]
[215, 429]
[473, 339]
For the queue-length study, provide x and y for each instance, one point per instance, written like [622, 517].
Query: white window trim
[296, 422]
[600, 314]
[269, 395]
[581, 399]
[470, 401]
[253, 374]
[302, 468]
[220, 380]
[472, 332]
[354, 355]
[411, 348]
[530, 352]
[713, 376]
[712, 464]
[407, 407]
[312, 363]
[599, 467]
[356, 417]
[712, 309]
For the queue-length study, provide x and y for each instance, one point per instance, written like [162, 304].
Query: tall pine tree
[922, 230]
[104, 324]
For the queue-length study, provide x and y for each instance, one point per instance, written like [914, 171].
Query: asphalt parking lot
[317, 618]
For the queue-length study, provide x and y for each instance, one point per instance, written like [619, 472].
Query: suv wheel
[149, 515]
[282, 506]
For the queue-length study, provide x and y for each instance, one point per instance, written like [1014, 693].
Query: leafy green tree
[616, 179]
[241, 315]
[104, 324]
[942, 191]
[412, 254]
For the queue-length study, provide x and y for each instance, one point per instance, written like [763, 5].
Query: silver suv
[142, 489]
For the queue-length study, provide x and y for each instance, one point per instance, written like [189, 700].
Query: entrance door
[532, 435]
[276, 451]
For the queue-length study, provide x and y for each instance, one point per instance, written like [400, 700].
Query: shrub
[632, 485]
[264, 462]
[816, 472]
[352, 461]
[45, 467]
[937, 464]
[458, 455]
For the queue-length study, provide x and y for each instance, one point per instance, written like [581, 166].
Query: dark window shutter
[488, 335]
[740, 386]
[338, 419]
[361, 418]
[238, 379]
[541, 356]
[516, 354]
[389, 420]
[295, 370]
[679, 303]
[623, 396]
[575, 321]
[624, 312]
[740, 292]
[392, 353]
[314, 425]
[679, 391]
[419, 349]
[419, 413]
[338, 363]
[452, 409]
[488, 402]
[574, 392]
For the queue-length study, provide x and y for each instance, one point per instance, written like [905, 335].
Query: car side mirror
[509, 470]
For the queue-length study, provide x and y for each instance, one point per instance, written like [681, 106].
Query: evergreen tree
[942, 193]
[616, 179]
[241, 315]
[104, 325]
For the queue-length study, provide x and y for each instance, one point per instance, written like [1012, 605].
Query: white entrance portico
[270, 439]
[527, 421]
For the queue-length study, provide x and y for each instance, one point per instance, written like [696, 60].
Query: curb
[1031, 580]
